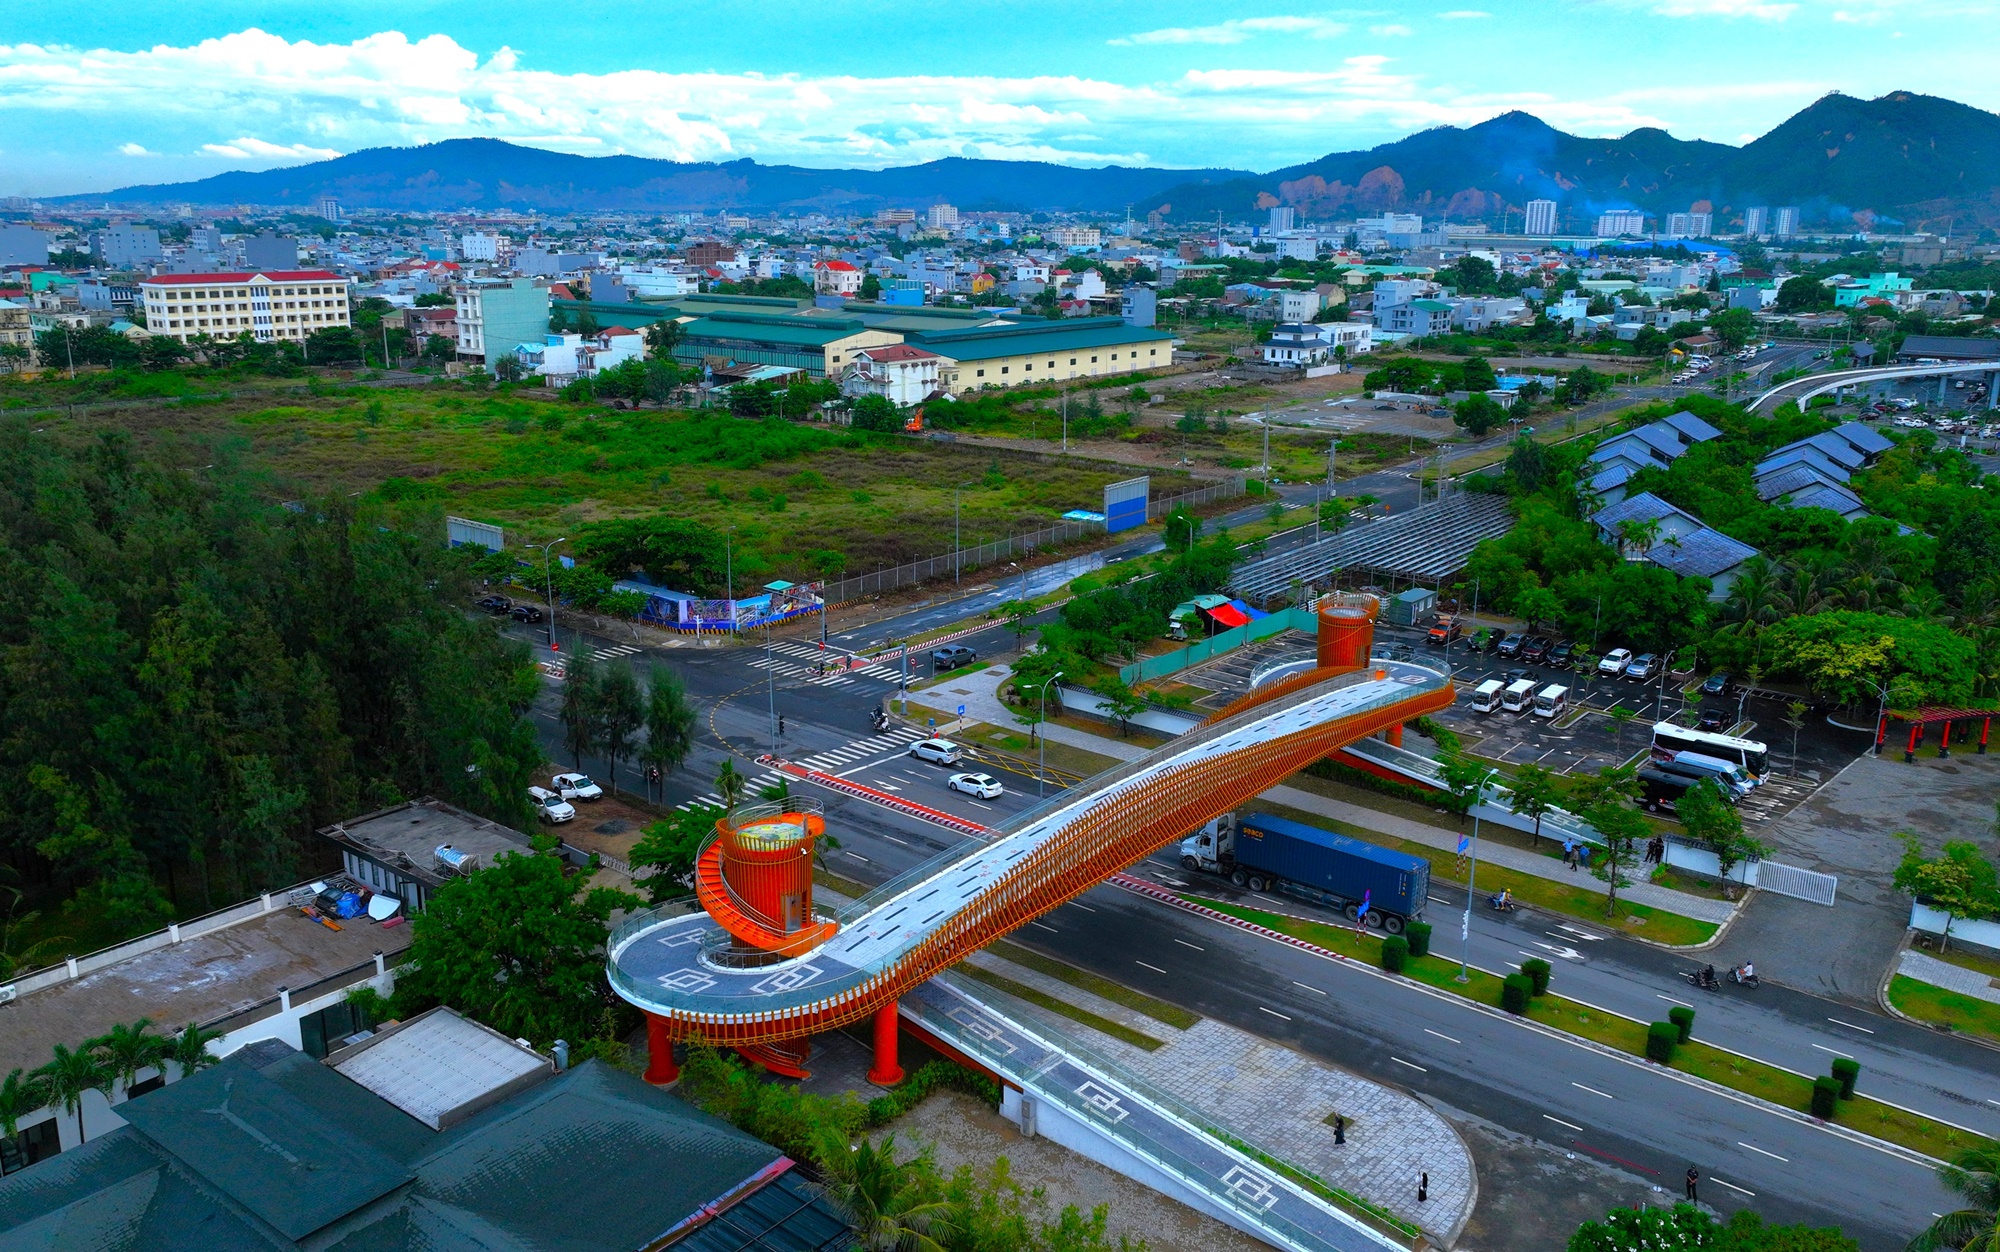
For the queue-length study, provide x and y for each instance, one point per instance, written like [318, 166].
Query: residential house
[1647, 528]
[837, 278]
[1298, 345]
[500, 312]
[1477, 313]
[1655, 445]
[1416, 319]
[898, 372]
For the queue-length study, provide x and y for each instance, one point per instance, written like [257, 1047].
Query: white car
[1615, 661]
[549, 806]
[939, 751]
[981, 786]
[576, 787]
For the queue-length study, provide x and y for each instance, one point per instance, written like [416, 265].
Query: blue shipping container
[1394, 882]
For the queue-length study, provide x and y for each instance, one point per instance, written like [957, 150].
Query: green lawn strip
[1368, 1211]
[1579, 901]
[1927, 1003]
[1702, 1060]
[1103, 988]
[1021, 991]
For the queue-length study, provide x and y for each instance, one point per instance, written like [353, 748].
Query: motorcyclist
[1745, 972]
[1505, 900]
[1708, 976]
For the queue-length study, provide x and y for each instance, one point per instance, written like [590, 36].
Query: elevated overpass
[1802, 391]
[761, 968]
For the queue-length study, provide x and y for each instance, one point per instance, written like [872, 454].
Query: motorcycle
[1499, 905]
[1703, 978]
[1742, 979]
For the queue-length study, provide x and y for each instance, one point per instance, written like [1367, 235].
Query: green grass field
[1963, 1013]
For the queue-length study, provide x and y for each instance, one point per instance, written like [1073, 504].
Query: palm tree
[69, 1075]
[20, 1095]
[891, 1204]
[126, 1050]
[189, 1049]
[1804, 590]
[670, 722]
[730, 784]
[1974, 1174]
[1750, 605]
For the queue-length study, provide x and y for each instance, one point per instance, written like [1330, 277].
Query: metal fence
[951, 565]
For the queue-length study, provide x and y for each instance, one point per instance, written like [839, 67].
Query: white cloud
[1464, 15]
[251, 149]
[1239, 30]
[133, 150]
[1389, 31]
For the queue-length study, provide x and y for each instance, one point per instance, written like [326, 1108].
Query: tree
[1960, 881]
[1478, 414]
[662, 337]
[1686, 1227]
[1120, 701]
[730, 784]
[670, 722]
[620, 714]
[1974, 1174]
[580, 719]
[871, 288]
[440, 347]
[1707, 815]
[1621, 717]
[125, 1050]
[1622, 830]
[334, 345]
[893, 1206]
[669, 848]
[1528, 465]
[1795, 717]
[68, 1075]
[1465, 780]
[872, 412]
[1536, 791]
[1179, 530]
[1019, 616]
[518, 945]
[1803, 295]
[20, 1095]
[1735, 327]
[188, 1050]
[1537, 605]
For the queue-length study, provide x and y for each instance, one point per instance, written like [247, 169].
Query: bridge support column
[660, 1066]
[885, 1072]
[1395, 735]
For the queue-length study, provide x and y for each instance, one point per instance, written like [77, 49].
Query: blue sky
[105, 96]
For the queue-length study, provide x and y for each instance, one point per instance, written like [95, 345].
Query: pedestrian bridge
[692, 976]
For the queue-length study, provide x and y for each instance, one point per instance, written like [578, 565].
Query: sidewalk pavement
[1966, 982]
[976, 690]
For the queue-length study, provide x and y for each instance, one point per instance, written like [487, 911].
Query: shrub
[1661, 1038]
[1514, 993]
[1846, 1073]
[1683, 1020]
[1536, 971]
[1395, 951]
[1419, 936]
[1825, 1096]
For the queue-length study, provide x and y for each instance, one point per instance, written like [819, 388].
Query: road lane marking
[1560, 1122]
[1594, 1091]
[1085, 907]
[1733, 1187]
[1446, 1038]
[1052, 930]
[1185, 944]
[1761, 1152]
[1272, 1012]
[1826, 1049]
[893, 839]
[1670, 1000]
[857, 856]
[1315, 990]
[1156, 969]
[1400, 1061]
[1850, 1025]
[1440, 901]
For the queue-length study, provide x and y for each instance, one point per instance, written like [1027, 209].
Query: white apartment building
[479, 247]
[1074, 236]
[1785, 221]
[1690, 225]
[1621, 222]
[1302, 345]
[1283, 217]
[837, 278]
[656, 281]
[1756, 219]
[273, 306]
[941, 217]
[1541, 219]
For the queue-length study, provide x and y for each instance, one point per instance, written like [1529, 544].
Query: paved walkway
[1967, 982]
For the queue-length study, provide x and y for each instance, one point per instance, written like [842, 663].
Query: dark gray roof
[405, 836]
[1872, 442]
[1662, 438]
[1793, 478]
[1949, 348]
[1820, 496]
[1704, 554]
[1644, 507]
[1693, 428]
[1614, 477]
[1796, 455]
[1831, 445]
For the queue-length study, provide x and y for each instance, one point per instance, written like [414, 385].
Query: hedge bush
[1395, 952]
[1846, 1073]
[1825, 1097]
[1514, 993]
[1419, 936]
[1661, 1039]
[1537, 971]
[1683, 1020]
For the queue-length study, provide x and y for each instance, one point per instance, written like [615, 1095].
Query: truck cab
[1265, 853]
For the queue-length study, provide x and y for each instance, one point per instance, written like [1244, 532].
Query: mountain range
[1899, 159]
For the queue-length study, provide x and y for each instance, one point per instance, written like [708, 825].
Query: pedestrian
[1423, 1187]
[1339, 1130]
[1694, 1176]
[1569, 852]
[1583, 851]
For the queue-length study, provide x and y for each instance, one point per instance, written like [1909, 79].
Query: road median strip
[1899, 1132]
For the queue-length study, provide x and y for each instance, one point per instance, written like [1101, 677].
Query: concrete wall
[1924, 917]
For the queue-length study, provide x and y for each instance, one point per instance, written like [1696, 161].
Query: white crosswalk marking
[623, 649]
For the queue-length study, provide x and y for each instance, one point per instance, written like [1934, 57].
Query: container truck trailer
[1266, 853]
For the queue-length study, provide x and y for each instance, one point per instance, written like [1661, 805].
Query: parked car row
[501, 606]
[553, 803]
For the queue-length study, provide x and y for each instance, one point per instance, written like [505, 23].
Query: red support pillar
[1916, 737]
[1985, 726]
[1944, 741]
[1396, 735]
[660, 1066]
[885, 1072]
[1881, 733]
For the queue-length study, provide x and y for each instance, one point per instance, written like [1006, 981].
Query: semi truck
[1266, 853]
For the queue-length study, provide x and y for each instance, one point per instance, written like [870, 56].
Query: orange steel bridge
[762, 967]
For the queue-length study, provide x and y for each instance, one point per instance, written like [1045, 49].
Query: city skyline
[98, 102]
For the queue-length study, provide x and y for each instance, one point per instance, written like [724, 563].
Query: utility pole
[1042, 735]
[1472, 875]
[548, 585]
[956, 546]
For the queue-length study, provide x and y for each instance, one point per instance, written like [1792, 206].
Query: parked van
[1486, 696]
[1518, 695]
[1658, 788]
[1551, 701]
[1735, 775]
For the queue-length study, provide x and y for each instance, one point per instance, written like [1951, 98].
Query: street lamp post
[548, 585]
[1042, 737]
[1472, 876]
[957, 546]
